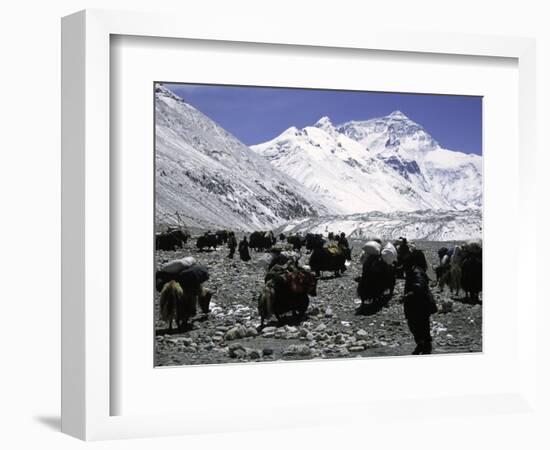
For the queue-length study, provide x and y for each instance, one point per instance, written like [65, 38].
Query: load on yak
[180, 283]
[331, 258]
[378, 273]
[287, 289]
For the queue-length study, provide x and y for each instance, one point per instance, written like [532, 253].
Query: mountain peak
[397, 115]
[324, 123]
[160, 90]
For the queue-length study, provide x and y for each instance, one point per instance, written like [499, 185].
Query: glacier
[428, 225]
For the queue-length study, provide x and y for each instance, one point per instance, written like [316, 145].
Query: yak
[222, 236]
[377, 277]
[207, 240]
[297, 241]
[261, 240]
[451, 271]
[471, 275]
[179, 304]
[171, 239]
[171, 295]
[181, 292]
[313, 241]
[323, 259]
[461, 268]
[287, 289]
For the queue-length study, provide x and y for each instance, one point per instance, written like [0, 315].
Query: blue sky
[258, 114]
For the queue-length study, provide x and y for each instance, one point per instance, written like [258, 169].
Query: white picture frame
[86, 217]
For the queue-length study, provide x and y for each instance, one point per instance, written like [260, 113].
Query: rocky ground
[331, 330]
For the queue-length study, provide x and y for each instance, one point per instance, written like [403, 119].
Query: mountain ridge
[391, 163]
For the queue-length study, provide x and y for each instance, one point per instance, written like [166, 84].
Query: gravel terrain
[331, 329]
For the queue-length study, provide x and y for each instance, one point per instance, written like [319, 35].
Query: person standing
[243, 250]
[343, 241]
[232, 244]
[418, 302]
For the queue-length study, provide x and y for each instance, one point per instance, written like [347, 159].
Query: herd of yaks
[289, 284]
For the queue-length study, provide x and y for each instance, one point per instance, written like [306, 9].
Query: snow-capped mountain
[384, 164]
[210, 179]
[431, 225]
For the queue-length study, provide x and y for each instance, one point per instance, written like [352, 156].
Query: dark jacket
[418, 298]
[343, 242]
[243, 250]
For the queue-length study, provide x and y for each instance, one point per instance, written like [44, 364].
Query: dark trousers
[419, 324]
[231, 252]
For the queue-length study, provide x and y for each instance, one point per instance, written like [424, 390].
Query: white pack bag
[389, 253]
[372, 248]
[178, 265]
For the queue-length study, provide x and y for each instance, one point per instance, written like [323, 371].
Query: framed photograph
[251, 215]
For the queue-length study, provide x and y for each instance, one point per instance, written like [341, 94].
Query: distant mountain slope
[384, 164]
[211, 179]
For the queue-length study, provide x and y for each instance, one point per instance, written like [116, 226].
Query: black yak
[297, 241]
[314, 241]
[471, 274]
[324, 259]
[207, 240]
[377, 277]
[171, 239]
[221, 236]
[261, 240]
[286, 290]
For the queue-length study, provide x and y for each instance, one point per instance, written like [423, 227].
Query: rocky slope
[208, 178]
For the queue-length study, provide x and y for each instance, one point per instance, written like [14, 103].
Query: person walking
[232, 244]
[243, 250]
[343, 241]
[418, 302]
